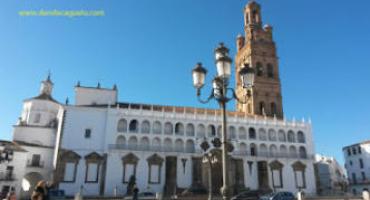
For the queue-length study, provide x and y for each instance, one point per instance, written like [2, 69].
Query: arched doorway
[29, 182]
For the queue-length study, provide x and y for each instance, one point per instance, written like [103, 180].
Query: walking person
[136, 193]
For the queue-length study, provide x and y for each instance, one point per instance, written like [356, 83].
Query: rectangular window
[300, 179]
[35, 160]
[128, 171]
[70, 172]
[349, 151]
[361, 163]
[87, 133]
[154, 174]
[277, 179]
[359, 150]
[354, 180]
[363, 176]
[92, 172]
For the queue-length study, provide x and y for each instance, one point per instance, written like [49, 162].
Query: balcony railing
[31, 163]
[156, 148]
[7, 176]
[273, 155]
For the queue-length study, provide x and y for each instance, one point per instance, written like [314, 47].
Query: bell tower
[257, 49]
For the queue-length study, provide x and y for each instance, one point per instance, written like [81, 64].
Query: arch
[211, 131]
[157, 127]
[122, 126]
[121, 142]
[302, 152]
[281, 136]
[144, 143]
[132, 143]
[179, 145]
[190, 130]
[291, 136]
[242, 148]
[133, 126]
[292, 151]
[272, 135]
[156, 144]
[232, 133]
[273, 150]
[283, 151]
[145, 126]
[273, 108]
[242, 133]
[263, 151]
[219, 131]
[300, 137]
[167, 145]
[190, 146]
[179, 129]
[270, 70]
[262, 135]
[262, 108]
[253, 149]
[168, 128]
[201, 131]
[259, 69]
[29, 182]
[252, 133]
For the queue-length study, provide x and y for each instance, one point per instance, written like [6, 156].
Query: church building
[99, 142]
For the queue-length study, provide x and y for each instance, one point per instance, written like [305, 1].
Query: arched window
[190, 146]
[179, 129]
[179, 145]
[273, 109]
[122, 126]
[293, 152]
[144, 143]
[157, 127]
[302, 152]
[145, 127]
[190, 130]
[156, 144]
[263, 150]
[262, 107]
[134, 126]
[168, 128]
[201, 131]
[252, 133]
[272, 135]
[281, 135]
[219, 131]
[167, 145]
[262, 134]
[283, 151]
[242, 148]
[270, 70]
[253, 149]
[232, 133]
[211, 131]
[132, 143]
[121, 142]
[242, 133]
[259, 69]
[300, 137]
[291, 137]
[273, 150]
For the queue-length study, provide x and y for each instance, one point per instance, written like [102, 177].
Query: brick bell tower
[257, 49]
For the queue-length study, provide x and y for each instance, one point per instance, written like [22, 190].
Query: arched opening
[262, 107]
[263, 150]
[167, 145]
[273, 109]
[301, 138]
[252, 133]
[156, 144]
[283, 151]
[29, 182]
[211, 131]
[273, 150]
[144, 144]
[291, 137]
[179, 129]
[122, 126]
[281, 136]
[132, 143]
[190, 130]
[262, 135]
[179, 145]
[133, 126]
[232, 133]
[190, 146]
[259, 69]
[293, 152]
[302, 152]
[157, 127]
[270, 70]
[253, 149]
[201, 131]
[168, 128]
[121, 142]
[272, 135]
[145, 127]
[243, 148]
[242, 133]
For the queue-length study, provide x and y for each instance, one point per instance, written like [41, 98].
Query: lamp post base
[226, 193]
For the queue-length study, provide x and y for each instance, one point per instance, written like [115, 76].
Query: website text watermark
[61, 13]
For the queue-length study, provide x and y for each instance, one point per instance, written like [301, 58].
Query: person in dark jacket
[136, 193]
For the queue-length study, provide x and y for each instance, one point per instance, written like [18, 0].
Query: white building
[330, 176]
[99, 142]
[357, 164]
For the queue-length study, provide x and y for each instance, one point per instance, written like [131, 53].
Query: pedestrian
[365, 194]
[40, 192]
[11, 196]
[136, 193]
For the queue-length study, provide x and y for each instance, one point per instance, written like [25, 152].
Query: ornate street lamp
[219, 92]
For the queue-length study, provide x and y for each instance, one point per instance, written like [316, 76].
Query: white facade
[357, 164]
[330, 176]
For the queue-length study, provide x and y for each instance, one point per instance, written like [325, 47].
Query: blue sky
[148, 48]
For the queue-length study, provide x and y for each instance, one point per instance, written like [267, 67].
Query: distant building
[357, 158]
[330, 175]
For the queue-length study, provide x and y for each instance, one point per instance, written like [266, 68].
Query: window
[190, 130]
[262, 107]
[92, 172]
[299, 174]
[350, 162]
[155, 164]
[359, 150]
[157, 127]
[276, 174]
[302, 152]
[36, 160]
[145, 127]
[37, 118]
[232, 133]
[211, 131]
[129, 163]
[253, 150]
[300, 137]
[201, 131]
[122, 126]
[363, 176]
[272, 135]
[354, 178]
[252, 133]
[361, 163]
[242, 133]
[270, 70]
[259, 69]
[179, 129]
[87, 133]
[348, 152]
[70, 172]
[291, 137]
[134, 126]
[69, 161]
[168, 128]
[281, 136]
[273, 109]
[262, 135]
[354, 151]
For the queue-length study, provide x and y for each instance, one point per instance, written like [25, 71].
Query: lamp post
[220, 92]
